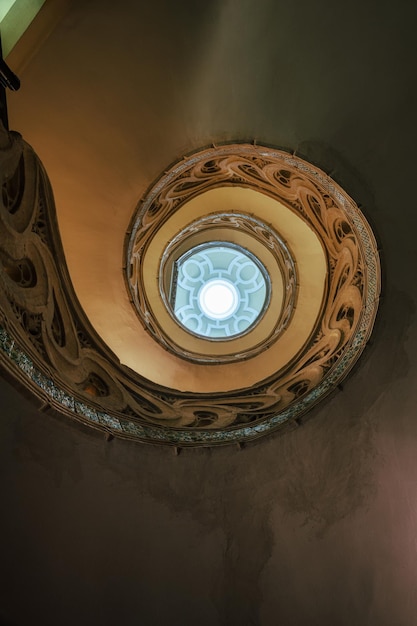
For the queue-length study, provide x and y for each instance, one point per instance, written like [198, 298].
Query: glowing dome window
[219, 290]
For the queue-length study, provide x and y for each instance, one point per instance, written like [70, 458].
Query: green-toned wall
[15, 17]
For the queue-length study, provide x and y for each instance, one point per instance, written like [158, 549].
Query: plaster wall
[315, 526]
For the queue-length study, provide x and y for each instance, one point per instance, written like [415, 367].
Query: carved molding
[48, 346]
[211, 225]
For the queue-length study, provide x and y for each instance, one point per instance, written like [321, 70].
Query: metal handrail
[8, 80]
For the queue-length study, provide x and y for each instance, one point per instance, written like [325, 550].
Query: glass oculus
[219, 290]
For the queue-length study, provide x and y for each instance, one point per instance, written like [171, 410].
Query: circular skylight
[218, 299]
[219, 290]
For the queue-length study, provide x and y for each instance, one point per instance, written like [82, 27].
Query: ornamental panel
[48, 346]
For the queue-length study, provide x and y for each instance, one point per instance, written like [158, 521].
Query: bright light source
[219, 290]
[218, 299]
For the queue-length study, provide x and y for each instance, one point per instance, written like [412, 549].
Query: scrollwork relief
[47, 343]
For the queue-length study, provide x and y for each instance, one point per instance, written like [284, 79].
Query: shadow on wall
[341, 171]
[317, 474]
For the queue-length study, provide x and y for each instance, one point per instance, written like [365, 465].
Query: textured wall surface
[314, 527]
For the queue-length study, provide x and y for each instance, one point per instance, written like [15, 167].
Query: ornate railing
[47, 345]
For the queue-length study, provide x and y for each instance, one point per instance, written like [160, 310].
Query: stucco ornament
[318, 316]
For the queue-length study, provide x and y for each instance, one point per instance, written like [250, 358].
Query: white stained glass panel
[219, 290]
